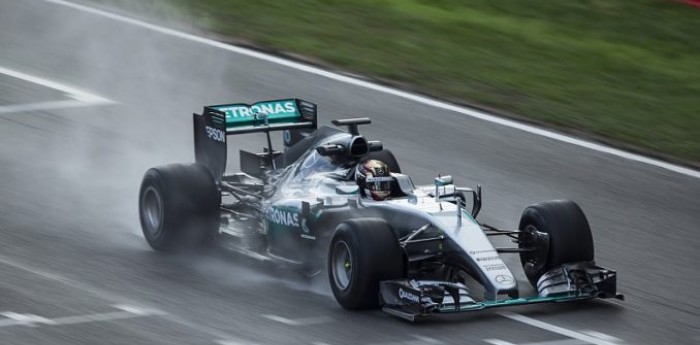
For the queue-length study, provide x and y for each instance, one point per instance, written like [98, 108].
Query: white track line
[31, 320]
[20, 108]
[79, 97]
[16, 319]
[128, 312]
[588, 338]
[546, 342]
[299, 322]
[77, 93]
[498, 342]
[427, 340]
[387, 90]
[602, 336]
[417, 340]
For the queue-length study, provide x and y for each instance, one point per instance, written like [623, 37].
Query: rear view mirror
[443, 180]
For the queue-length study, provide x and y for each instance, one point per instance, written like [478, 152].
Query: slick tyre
[388, 158]
[363, 252]
[179, 207]
[559, 232]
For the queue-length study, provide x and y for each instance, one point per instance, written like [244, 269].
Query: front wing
[414, 299]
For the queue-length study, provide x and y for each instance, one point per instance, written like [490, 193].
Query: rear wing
[216, 122]
[267, 116]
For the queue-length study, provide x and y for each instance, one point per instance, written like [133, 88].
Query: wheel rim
[342, 265]
[152, 211]
[536, 260]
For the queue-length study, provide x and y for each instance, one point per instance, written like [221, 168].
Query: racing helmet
[374, 179]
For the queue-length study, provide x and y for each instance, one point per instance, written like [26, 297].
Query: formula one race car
[328, 202]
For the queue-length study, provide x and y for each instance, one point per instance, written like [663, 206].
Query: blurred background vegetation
[621, 71]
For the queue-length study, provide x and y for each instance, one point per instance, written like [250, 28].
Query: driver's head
[374, 179]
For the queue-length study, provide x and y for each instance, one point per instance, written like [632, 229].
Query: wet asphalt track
[75, 270]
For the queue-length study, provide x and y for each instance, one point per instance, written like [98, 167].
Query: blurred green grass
[623, 70]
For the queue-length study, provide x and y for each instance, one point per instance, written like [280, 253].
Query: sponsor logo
[489, 258]
[494, 267]
[408, 296]
[216, 134]
[379, 179]
[504, 279]
[267, 108]
[285, 218]
[479, 252]
[287, 137]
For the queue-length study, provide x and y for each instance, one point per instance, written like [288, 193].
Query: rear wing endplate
[216, 122]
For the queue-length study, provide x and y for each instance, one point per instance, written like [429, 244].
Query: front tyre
[559, 233]
[362, 253]
[178, 206]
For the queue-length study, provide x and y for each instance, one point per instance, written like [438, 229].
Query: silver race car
[337, 202]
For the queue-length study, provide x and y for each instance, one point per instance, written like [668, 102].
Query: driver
[374, 179]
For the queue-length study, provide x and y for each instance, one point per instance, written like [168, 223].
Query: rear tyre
[179, 207]
[362, 253]
[388, 158]
[559, 232]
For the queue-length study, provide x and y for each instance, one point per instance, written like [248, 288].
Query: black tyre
[362, 253]
[388, 158]
[178, 206]
[559, 232]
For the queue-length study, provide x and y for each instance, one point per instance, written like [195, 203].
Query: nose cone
[478, 254]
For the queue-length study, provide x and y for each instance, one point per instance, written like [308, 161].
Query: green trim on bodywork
[469, 216]
[465, 214]
[511, 302]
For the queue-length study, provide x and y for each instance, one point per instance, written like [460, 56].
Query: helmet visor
[379, 186]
